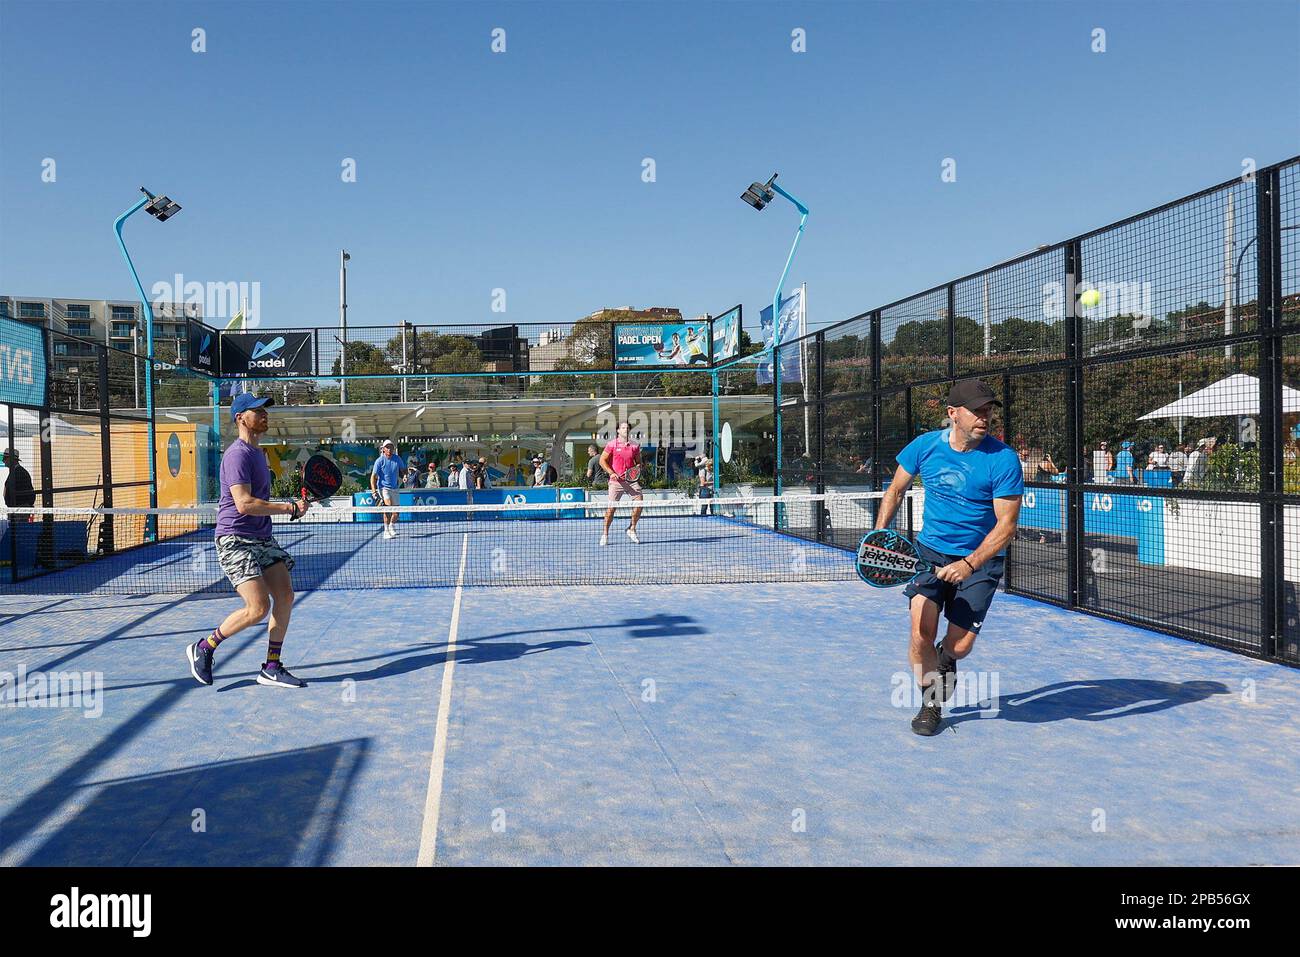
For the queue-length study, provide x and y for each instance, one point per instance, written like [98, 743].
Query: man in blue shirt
[973, 485]
[1124, 465]
[385, 480]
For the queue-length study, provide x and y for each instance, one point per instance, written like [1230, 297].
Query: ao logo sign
[22, 364]
[1029, 498]
[1104, 503]
[517, 499]
[16, 364]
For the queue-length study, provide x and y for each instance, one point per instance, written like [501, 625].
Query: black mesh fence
[1150, 374]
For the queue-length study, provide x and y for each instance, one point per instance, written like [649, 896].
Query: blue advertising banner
[545, 495]
[422, 496]
[647, 345]
[22, 364]
[1117, 514]
[726, 335]
[572, 495]
[790, 327]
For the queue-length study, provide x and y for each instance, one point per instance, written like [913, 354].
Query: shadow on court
[1103, 699]
[273, 810]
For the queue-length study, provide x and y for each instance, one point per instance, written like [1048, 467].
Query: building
[116, 323]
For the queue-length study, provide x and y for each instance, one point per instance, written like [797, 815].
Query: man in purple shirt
[246, 550]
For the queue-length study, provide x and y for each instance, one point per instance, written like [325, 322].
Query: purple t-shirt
[243, 464]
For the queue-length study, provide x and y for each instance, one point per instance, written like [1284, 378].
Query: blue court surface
[726, 724]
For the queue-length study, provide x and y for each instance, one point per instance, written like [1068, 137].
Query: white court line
[433, 798]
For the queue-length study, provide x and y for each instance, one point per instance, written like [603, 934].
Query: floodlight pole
[343, 324]
[776, 325]
[148, 317]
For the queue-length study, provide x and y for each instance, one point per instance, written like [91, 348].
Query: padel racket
[629, 474]
[886, 559]
[321, 479]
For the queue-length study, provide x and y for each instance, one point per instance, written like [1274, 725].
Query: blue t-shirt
[960, 488]
[389, 471]
[243, 464]
[1123, 462]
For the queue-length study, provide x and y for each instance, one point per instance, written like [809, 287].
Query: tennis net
[794, 537]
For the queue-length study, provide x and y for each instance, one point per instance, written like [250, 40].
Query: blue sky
[523, 170]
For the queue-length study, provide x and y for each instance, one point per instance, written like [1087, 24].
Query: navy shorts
[966, 603]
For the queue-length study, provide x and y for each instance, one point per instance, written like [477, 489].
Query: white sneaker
[604, 539]
[388, 531]
[631, 533]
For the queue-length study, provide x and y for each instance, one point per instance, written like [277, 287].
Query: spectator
[1103, 463]
[1026, 469]
[412, 477]
[456, 476]
[1158, 460]
[1123, 471]
[595, 475]
[480, 478]
[704, 474]
[1178, 463]
[1045, 469]
[433, 479]
[19, 491]
[1196, 464]
[544, 472]
[539, 471]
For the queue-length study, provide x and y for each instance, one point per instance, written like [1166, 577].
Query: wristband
[970, 566]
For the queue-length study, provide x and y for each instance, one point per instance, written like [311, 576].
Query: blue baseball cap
[245, 401]
[1127, 445]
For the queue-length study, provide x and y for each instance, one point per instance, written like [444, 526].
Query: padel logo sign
[22, 364]
[203, 351]
[267, 353]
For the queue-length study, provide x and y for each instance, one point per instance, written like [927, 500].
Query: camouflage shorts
[243, 558]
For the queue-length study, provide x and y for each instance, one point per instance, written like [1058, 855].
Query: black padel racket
[886, 559]
[321, 479]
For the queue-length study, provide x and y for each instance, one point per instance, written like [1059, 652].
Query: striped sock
[273, 652]
[214, 639]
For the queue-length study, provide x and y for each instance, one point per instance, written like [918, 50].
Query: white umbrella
[1238, 394]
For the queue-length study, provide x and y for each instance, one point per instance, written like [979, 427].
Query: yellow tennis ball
[1090, 297]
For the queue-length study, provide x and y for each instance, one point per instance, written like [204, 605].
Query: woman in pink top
[621, 460]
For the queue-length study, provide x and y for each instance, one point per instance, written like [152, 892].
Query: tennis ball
[1090, 297]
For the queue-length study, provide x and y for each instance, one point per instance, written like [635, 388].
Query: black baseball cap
[971, 394]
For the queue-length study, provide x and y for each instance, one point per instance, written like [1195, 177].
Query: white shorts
[387, 496]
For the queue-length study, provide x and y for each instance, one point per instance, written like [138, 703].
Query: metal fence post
[1272, 485]
[1076, 566]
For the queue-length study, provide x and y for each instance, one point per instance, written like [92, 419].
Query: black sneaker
[927, 720]
[277, 675]
[200, 661]
[947, 672]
